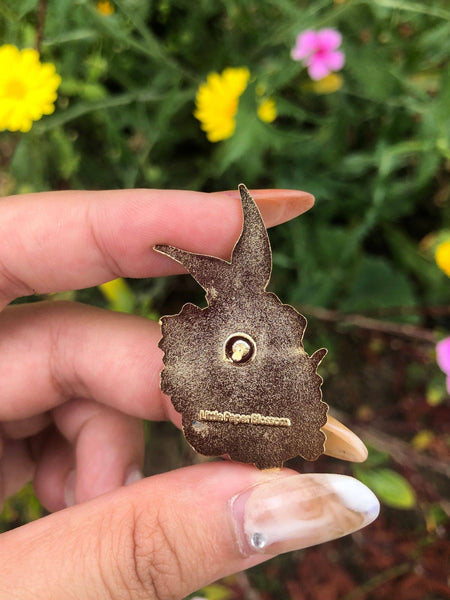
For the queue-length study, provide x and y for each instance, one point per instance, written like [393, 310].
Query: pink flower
[317, 50]
[443, 358]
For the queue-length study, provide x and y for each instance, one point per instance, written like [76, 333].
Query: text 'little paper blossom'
[443, 358]
[27, 88]
[217, 102]
[318, 52]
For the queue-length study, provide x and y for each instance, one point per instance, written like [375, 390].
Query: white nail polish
[134, 474]
[295, 512]
[69, 489]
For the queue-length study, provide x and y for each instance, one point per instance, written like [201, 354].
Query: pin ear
[317, 357]
[252, 257]
[209, 271]
[251, 261]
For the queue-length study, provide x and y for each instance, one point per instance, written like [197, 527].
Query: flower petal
[27, 88]
[334, 60]
[317, 68]
[305, 45]
[443, 355]
[443, 257]
[217, 102]
[329, 39]
[267, 110]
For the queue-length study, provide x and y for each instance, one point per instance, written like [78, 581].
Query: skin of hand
[75, 383]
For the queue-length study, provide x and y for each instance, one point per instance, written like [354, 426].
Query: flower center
[320, 52]
[231, 109]
[15, 89]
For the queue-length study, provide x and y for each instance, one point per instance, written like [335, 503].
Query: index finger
[55, 241]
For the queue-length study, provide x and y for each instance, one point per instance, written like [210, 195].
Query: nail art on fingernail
[295, 512]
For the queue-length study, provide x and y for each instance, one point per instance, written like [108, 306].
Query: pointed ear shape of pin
[208, 271]
[237, 370]
[251, 259]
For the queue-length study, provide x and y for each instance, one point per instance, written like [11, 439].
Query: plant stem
[363, 322]
[41, 13]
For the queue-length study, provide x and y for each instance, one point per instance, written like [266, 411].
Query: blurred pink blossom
[317, 50]
[443, 358]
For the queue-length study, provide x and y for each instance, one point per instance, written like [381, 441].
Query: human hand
[75, 381]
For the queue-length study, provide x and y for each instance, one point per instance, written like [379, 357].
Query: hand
[75, 381]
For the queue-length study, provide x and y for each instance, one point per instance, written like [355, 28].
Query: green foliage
[367, 293]
[119, 295]
[374, 152]
[215, 591]
[390, 487]
[23, 507]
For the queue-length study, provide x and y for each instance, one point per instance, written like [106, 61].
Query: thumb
[171, 534]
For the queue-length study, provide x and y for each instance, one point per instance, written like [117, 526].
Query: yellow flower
[267, 110]
[119, 294]
[442, 256]
[217, 102]
[329, 84]
[105, 7]
[27, 88]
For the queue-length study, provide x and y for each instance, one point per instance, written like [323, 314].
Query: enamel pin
[237, 370]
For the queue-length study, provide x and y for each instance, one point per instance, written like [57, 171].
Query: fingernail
[69, 488]
[342, 443]
[133, 474]
[295, 512]
[278, 204]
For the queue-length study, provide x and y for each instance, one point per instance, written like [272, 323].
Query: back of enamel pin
[237, 370]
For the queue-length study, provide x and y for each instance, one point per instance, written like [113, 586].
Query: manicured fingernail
[134, 474]
[278, 204]
[295, 512]
[69, 489]
[343, 443]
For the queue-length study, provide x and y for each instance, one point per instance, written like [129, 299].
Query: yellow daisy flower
[119, 294]
[217, 102]
[328, 85]
[442, 256]
[27, 88]
[267, 110]
[105, 8]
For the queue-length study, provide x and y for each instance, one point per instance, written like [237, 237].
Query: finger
[343, 443]
[16, 468]
[109, 448]
[70, 350]
[101, 450]
[62, 351]
[70, 240]
[169, 535]
[23, 428]
[56, 461]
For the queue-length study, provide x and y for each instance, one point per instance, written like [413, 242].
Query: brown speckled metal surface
[279, 380]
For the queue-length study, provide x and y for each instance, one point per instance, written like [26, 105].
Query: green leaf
[378, 285]
[23, 7]
[375, 458]
[390, 487]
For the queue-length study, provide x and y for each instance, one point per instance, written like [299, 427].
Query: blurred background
[369, 265]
